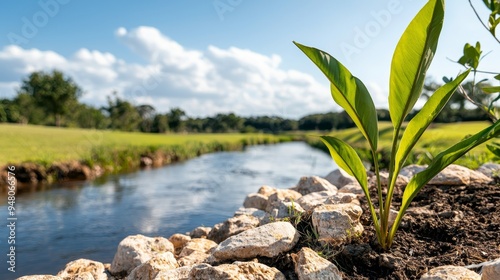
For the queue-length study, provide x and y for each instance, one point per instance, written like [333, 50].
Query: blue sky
[220, 56]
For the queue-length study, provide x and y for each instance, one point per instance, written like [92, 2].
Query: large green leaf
[412, 58]
[348, 160]
[417, 126]
[348, 91]
[440, 162]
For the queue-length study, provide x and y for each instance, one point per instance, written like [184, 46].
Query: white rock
[146, 161]
[453, 175]
[491, 271]
[310, 266]
[39, 277]
[420, 211]
[194, 258]
[392, 216]
[255, 200]
[200, 232]
[259, 200]
[449, 272]
[343, 198]
[232, 226]
[412, 169]
[196, 251]
[279, 196]
[340, 178]
[268, 218]
[456, 216]
[135, 250]
[181, 273]
[354, 188]
[179, 241]
[198, 244]
[81, 276]
[401, 181]
[259, 214]
[268, 241]
[459, 175]
[313, 184]
[477, 177]
[309, 201]
[286, 209]
[80, 266]
[266, 190]
[337, 223]
[236, 271]
[148, 270]
[490, 169]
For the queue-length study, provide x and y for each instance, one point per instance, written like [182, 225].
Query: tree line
[52, 99]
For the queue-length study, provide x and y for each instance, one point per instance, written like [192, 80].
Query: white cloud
[379, 96]
[202, 82]
[7, 88]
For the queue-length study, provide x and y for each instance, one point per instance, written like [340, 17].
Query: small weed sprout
[412, 57]
[294, 215]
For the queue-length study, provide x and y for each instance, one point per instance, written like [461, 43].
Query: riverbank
[45, 155]
[87, 219]
[320, 229]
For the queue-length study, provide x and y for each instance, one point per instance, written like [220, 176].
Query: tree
[160, 123]
[147, 113]
[3, 113]
[23, 109]
[195, 125]
[53, 92]
[122, 114]
[175, 119]
[85, 116]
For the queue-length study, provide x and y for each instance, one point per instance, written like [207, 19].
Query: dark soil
[462, 228]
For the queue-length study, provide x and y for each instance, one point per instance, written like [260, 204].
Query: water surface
[88, 220]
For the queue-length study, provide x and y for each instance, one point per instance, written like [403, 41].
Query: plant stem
[462, 91]
[382, 234]
[481, 21]
[385, 209]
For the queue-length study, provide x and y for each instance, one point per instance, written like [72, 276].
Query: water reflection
[88, 220]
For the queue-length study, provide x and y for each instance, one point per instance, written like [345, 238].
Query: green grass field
[22, 143]
[47, 145]
[436, 139]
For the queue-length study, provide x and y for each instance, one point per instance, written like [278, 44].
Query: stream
[88, 219]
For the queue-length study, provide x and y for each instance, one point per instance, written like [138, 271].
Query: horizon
[220, 56]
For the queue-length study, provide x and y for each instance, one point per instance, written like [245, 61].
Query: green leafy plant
[410, 62]
[471, 59]
[493, 18]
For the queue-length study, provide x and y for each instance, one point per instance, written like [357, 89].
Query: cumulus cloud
[202, 82]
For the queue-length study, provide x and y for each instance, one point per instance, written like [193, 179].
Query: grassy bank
[117, 151]
[112, 149]
[436, 139]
